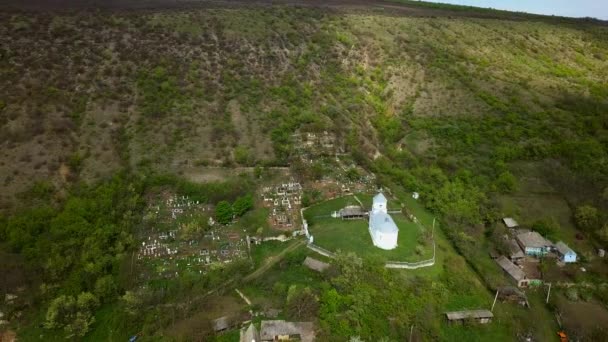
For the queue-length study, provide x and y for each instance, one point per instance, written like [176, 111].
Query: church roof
[379, 198]
[383, 223]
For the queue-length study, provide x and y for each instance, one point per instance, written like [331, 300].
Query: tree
[242, 205]
[74, 315]
[546, 227]
[603, 233]
[506, 182]
[132, 302]
[223, 212]
[586, 217]
[301, 303]
[105, 287]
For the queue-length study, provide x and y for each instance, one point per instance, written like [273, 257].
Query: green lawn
[353, 236]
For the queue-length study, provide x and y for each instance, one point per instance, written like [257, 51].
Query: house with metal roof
[382, 228]
[565, 253]
[533, 243]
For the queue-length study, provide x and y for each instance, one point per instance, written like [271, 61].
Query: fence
[389, 264]
[321, 251]
[412, 265]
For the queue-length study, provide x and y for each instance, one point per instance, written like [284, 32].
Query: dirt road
[271, 261]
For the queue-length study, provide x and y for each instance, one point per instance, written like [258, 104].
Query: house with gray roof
[533, 243]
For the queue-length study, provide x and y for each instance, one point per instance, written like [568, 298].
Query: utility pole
[411, 332]
[548, 293]
[495, 297]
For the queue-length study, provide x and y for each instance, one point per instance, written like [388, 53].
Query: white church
[382, 228]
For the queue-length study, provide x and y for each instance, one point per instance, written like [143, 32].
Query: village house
[382, 228]
[477, 316]
[565, 253]
[515, 272]
[533, 244]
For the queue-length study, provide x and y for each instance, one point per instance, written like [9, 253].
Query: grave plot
[344, 178]
[180, 236]
[284, 201]
[310, 145]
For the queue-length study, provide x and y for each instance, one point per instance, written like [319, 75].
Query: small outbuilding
[477, 316]
[315, 264]
[278, 330]
[352, 212]
[565, 253]
[515, 272]
[250, 334]
[533, 244]
[510, 222]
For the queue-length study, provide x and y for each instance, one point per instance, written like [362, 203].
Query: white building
[382, 228]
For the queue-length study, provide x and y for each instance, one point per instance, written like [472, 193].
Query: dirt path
[268, 263]
[271, 261]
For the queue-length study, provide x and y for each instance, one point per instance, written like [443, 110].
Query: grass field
[353, 235]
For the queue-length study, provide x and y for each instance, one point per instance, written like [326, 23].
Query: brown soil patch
[581, 318]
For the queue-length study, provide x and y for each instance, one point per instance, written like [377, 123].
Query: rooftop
[352, 210]
[563, 249]
[476, 314]
[270, 329]
[515, 250]
[511, 268]
[509, 222]
[533, 240]
[379, 198]
[315, 264]
[383, 222]
[250, 335]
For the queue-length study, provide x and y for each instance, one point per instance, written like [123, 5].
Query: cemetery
[180, 235]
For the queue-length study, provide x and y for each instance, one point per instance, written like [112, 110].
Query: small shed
[510, 222]
[565, 253]
[250, 334]
[515, 272]
[278, 330]
[221, 324]
[477, 316]
[315, 264]
[512, 294]
[352, 212]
